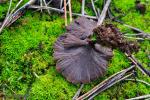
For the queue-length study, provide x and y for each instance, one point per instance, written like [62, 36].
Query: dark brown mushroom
[81, 62]
[140, 7]
[80, 59]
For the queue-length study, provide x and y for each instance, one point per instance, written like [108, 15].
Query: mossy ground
[27, 47]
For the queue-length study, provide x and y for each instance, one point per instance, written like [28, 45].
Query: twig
[110, 85]
[140, 97]
[9, 8]
[141, 35]
[61, 11]
[49, 2]
[65, 11]
[132, 34]
[66, 5]
[134, 28]
[140, 32]
[70, 11]
[35, 75]
[103, 13]
[46, 6]
[138, 65]
[61, 3]
[41, 4]
[15, 16]
[93, 6]
[83, 6]
[78, 92]
[18, 13]
[98, 12]
[134, 38]
[6, 18]
[138, 81]
[107, 82]
[15, 7]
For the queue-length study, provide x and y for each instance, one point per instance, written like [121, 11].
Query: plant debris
[80, 59]
[110, 36]
[107, 83]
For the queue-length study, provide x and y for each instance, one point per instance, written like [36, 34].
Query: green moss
[52, 86]
[27, 47]
[76, 6]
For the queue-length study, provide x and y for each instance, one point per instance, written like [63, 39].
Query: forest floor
[26, 51]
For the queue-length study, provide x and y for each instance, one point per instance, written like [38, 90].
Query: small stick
[46, 6]
[49, 2]
[35, 75]
[119, 80]
[11, 14]
[138, 81]
[132, 34]
[103, 13]
[105, 82]
[138, 65]
[66, 5]
[83, 6]
[142, 35]
[41, 4]
[6, 18]
[61, 3]
[140, 97]
[9, 8]
[65, 11]
[78, 92]
[93, 6]
[98, 12]
[134, 38]
[134, 28]
[70, 11]
[131, 27]
[16, 7]
[61, 11]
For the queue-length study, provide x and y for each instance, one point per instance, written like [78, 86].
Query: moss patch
[27, 47]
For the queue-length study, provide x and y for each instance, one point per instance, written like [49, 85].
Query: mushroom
[140, 7]
[79, 58]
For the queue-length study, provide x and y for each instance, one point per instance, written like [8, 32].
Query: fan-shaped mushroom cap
[81, 63]
[78, 58]
[81, 27]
